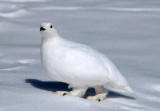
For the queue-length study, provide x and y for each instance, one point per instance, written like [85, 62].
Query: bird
[78, 65]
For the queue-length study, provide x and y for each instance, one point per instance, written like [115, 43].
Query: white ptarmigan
[78, 65]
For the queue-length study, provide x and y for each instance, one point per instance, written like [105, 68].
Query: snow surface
[126, 31]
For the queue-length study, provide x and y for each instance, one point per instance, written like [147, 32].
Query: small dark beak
[42, 29]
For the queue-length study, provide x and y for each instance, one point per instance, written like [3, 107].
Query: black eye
[51, 26]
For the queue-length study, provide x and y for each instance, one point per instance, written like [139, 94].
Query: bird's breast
[49, 57]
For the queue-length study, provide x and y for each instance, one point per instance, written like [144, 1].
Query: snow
[126, 31]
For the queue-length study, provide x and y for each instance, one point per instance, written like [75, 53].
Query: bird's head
[47, 30]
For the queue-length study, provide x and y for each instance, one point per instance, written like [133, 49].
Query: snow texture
[126, 31]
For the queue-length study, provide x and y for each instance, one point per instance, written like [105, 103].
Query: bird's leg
[77, 92]
[101, 94]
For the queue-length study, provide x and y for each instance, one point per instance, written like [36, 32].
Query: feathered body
[78, 64]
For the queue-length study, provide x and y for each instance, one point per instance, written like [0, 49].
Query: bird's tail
[129, 89]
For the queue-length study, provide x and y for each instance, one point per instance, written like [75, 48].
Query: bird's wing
[82, 62]
[112, 75]
[116, 79]
[86, 64]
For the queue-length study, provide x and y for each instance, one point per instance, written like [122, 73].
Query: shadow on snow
[60, 86]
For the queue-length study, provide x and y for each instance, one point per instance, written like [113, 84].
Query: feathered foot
[74, 92]
[77, 92]
[62, 93]
[98, 97]
[101, 94]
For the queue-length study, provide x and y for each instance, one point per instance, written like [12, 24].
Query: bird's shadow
[60, 86]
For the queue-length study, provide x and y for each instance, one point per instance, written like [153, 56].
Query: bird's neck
[52, 40]
[50, 36]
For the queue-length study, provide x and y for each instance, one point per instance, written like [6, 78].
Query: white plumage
[76, 64]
